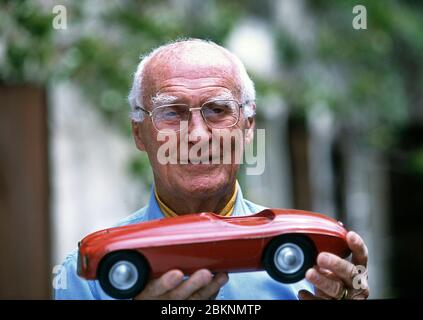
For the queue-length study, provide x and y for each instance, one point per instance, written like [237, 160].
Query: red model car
[285, 243]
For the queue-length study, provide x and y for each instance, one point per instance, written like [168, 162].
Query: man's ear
[136, 132]
[250, 124]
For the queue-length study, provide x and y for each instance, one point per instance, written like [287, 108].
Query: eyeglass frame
[190, 109]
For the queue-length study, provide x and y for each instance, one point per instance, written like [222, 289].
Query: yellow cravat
[226, 211]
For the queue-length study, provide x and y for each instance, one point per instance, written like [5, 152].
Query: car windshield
[253, 220]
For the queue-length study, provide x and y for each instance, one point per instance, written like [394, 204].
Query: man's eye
[218, 110]
[170, 114]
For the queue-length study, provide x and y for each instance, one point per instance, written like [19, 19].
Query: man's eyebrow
[162, 98]
[222, 96]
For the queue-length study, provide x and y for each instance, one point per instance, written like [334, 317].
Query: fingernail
[310, 274]
[175, 278]
[324, 259]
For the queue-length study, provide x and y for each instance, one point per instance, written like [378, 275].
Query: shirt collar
[154, 211]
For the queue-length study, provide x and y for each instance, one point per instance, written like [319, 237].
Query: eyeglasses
[217, 114]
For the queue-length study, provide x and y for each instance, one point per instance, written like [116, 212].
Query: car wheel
[123, 274]
[288, 257]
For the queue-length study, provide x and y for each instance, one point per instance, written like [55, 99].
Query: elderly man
[195, 88]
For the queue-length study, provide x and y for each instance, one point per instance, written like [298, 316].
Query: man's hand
[201, 285]
[334, 277]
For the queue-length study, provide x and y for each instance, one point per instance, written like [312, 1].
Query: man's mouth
[204, 160]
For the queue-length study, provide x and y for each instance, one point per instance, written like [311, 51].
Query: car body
[207, 240]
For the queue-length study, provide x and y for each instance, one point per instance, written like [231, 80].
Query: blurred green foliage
[368, 78]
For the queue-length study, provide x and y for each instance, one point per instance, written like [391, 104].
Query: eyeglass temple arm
[243, 104]
[144, 110]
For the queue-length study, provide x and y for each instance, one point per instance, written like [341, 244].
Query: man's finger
[210, 290]
[157, 287]
[331, 287]
[358, 248]
[307, 295]
[341, 268]
[195, 282]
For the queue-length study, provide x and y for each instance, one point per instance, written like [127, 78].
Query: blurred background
[342, 109]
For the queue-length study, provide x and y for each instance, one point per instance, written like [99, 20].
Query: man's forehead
[190, 62]
[194, 53]
[159, 71]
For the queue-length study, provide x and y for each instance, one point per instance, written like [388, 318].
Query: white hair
[248, 93]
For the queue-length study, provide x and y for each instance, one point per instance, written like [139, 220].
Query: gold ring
[343, 295]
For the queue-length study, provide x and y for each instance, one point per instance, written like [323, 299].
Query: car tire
[123, 274]
[288, 257]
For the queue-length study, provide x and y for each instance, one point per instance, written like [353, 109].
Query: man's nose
[197, 127]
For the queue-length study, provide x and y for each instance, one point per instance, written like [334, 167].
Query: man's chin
[203, 178]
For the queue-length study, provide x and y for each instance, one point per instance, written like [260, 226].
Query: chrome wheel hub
[289, 258]
[123, 275]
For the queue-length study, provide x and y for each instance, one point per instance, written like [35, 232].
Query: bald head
[193, 52]
[192, 59]
[189, 59]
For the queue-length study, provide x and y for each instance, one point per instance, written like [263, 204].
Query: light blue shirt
[241, 286]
